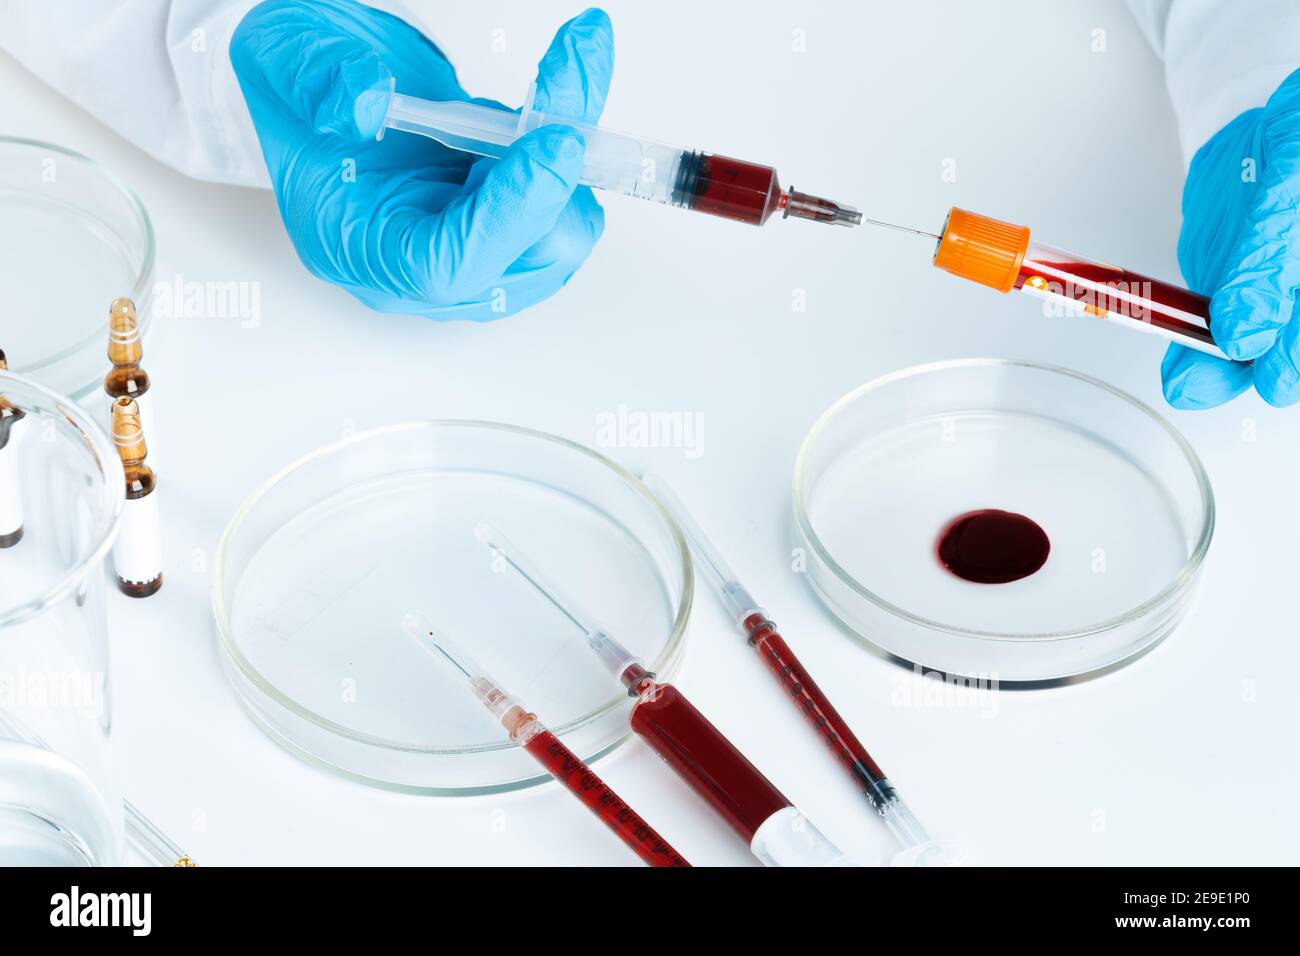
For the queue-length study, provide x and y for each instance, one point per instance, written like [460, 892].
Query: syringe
[529, 733]
[617, 162]
[1002, 256]
[776, 832]
[799, 686]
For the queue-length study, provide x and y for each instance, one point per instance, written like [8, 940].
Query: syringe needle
[616, 658]
[890, 225]
[418, 628]
[498, 544]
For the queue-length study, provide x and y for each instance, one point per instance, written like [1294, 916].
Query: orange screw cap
[983, 250]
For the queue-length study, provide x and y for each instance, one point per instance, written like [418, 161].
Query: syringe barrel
[817, 709]
[614, 161]
[700, 754]
[568, 768]
[617, 162]
[1002, 255]
[689, 743]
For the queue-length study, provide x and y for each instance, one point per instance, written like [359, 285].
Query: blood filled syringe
[1001, 255]
[799, 686]
[529, 733]
[617, 162]
[776, 832]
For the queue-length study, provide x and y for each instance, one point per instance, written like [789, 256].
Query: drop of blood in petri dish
[993, 547]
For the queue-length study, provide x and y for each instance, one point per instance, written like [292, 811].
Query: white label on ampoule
[11, 492]
[137, 553]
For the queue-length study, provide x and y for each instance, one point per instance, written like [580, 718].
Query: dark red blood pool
[993, 547]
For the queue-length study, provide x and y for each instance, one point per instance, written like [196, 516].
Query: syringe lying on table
[1002, 256]
[617, 162]
[532, 735]
[777, 833]
[799, 686]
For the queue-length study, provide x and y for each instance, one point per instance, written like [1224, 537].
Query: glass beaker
[62, 488]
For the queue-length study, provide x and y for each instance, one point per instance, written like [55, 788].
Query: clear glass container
[74, 238]
[61, 482]
[316, 571]
[1119, 492]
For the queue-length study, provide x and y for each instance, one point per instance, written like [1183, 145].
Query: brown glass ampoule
[11, 500]
[137, 553]
[126, 379]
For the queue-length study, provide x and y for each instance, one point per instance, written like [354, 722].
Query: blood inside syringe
[700, 754]
[748, 192]
[1110, 291]
[566, 767]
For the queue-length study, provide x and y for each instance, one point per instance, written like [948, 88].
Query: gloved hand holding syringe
[617, 162]
[984, 250]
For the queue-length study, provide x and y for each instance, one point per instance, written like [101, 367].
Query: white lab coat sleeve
[157, 71]
[1222, 57]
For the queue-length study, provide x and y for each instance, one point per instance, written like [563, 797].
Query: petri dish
[316, 570]
[74, 238]
[1120, 494]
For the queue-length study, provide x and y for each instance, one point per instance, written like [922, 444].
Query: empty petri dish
[1120, 499]
[316, 571]
[74, 239]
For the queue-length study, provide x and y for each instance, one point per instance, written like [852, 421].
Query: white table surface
[1183, 757]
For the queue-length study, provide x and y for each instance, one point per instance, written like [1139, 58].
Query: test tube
[776, 832]
[532, 735]
[1002, 256]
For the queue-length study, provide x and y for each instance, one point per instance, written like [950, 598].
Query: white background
[1187, 756]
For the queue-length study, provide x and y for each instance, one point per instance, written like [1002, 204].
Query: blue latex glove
[405, 224]
[1241, 243]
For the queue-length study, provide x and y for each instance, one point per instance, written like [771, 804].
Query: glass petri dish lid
[316, 571]
[1121, 495]
[73, 239]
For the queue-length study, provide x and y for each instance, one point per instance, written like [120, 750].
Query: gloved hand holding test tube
[1002, 256]
[532, 735]
[776, 832]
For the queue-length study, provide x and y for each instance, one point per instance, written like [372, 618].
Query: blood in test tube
[993, 547]
[700, 754]
[1104, 290]
[569, 769]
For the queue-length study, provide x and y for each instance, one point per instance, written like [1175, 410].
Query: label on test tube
[137, 553]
